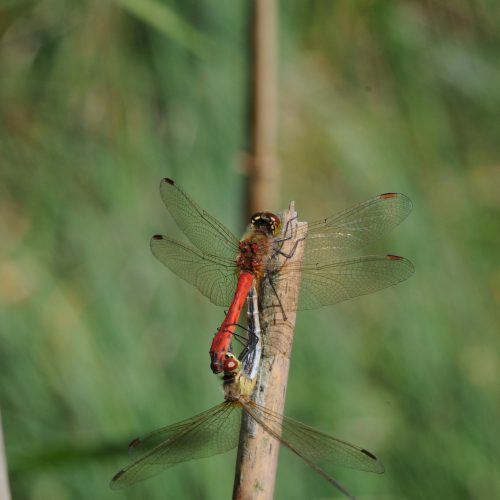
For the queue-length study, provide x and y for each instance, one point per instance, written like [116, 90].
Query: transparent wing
[327, 284]
[215, 277]
[354, 228]
[204, 231]
[209, 433]
[312, 445]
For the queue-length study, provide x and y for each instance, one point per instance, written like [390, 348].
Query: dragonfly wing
[204, 231]
[354, 228]
[215, 277]
[312, 445]
[209, 433]
[342, 280]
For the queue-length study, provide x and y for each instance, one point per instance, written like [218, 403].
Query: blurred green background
[100, 343]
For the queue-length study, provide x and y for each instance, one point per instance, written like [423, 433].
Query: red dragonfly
[223, 267]
[217, 431]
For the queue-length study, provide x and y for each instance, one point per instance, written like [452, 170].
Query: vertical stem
[258, 451]
[4, 478]
[264, 172]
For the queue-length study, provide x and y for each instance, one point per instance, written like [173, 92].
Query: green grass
[100, 343]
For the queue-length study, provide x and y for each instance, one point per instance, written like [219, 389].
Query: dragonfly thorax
[237, 387]
[254, 250]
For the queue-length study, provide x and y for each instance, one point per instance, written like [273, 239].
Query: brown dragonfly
[217, 430]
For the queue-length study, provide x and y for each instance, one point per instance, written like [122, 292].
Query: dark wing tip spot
[388, 195]
[134, 442]
[369, 454]
[157, 237]
[117, 476]
[394, 257]
[166, 180]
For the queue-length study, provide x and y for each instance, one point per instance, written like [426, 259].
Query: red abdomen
[221, 343]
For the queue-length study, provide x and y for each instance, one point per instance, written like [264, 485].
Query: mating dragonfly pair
[227, 271]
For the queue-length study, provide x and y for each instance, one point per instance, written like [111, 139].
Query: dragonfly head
[266, 221]
[231, 363]
[225, 362]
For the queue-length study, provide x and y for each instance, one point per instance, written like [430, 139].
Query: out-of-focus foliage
[99, 342]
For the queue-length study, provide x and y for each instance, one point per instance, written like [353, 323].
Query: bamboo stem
[258, 451]
[264, 172]
[4, 478]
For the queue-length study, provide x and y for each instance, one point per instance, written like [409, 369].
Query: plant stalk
[258, 451]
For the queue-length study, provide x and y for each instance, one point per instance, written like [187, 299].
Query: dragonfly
[223, 267]
[217, 430]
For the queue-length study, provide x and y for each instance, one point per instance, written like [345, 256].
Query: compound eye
[275, 222]
[230, 364]
[256, 218]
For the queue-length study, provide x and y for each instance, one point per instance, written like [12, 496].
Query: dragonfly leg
[268, 276]
[287, 237]
[280, 241]
[248, 343]
[288, 224]
[292, 251]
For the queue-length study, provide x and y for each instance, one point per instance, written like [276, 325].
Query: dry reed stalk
[264, 171]
[258, 451]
